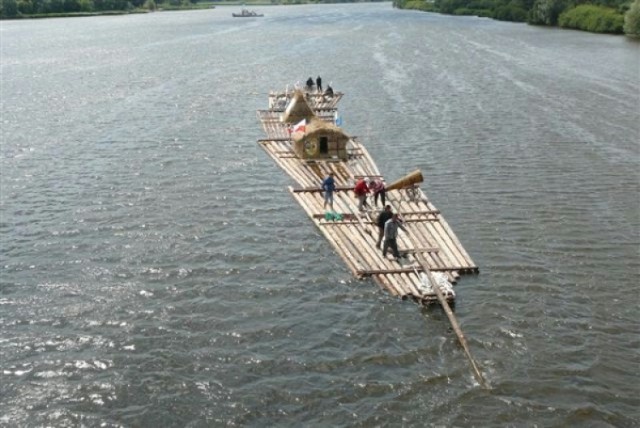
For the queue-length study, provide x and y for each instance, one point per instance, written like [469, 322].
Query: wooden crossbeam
[317, 189]
[367, 272]
[274, 139]
[421, 250]
[337, 223]
[403, 213]
[345, 216]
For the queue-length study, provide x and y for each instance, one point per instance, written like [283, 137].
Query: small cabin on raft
[318, 139]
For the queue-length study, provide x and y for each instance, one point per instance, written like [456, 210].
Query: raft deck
[429, 242]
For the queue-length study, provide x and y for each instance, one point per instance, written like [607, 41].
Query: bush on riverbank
[596, 19]
[601, 16]
[419, 5]
[632, 20]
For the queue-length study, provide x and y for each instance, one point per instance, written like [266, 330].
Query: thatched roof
[314, 125]
[297, 109]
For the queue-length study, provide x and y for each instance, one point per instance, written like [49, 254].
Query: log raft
[430, 246]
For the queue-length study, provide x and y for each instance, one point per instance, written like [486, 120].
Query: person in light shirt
[378, 189]
[391, 236]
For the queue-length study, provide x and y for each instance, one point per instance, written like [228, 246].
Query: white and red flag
[300, 126]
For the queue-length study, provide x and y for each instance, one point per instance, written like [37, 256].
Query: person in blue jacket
[329, 187]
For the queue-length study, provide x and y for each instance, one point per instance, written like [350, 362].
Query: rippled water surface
[155, 271]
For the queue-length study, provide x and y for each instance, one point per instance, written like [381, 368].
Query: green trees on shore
[600, 16]
[32, 8]
[588, 17]
[632, 20]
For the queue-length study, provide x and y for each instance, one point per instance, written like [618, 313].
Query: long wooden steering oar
[452, 319]
[447, 309]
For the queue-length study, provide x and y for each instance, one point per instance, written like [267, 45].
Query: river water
[156, 272]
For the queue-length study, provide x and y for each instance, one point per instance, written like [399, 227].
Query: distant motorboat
[247, 14]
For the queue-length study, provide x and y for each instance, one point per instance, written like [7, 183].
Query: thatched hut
[320, 140]
[297, 109]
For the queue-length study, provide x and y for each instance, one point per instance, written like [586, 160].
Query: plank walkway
[429, 237]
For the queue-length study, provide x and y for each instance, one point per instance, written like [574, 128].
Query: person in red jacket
[361, 189]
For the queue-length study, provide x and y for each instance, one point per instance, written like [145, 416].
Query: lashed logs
[348, 237]
[440, 249]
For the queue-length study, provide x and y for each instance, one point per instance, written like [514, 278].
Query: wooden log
[319, 189]
[419, 220]
[341, 250]
[443, 242]
[421, 250]
[456, 327]
[356, 250]
[274, 139]
[348, 208]
[404, 213]
[406, 181]
[385, 284]
[411, 285]
[365, 272]
[452, 236]
[354, 238]
[448, 247]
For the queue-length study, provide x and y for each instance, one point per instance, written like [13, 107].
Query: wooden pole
[356, 215]
[454, 322]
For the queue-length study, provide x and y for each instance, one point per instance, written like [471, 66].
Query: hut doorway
[324, 145]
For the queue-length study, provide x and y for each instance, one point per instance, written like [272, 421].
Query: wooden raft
[430, 239]
[278, 100]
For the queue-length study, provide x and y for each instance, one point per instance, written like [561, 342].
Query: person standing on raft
[384, 215]
[361, 189]
[329, 187]
[391, 236]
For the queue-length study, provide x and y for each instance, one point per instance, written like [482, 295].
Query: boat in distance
[245, 13]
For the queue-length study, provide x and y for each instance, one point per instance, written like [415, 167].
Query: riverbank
[75, 14]
[35, 9]
[83, 8]
[622, 17]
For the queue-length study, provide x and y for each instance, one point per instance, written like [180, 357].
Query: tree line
[10, 9]
[35, 8]
[600, 16]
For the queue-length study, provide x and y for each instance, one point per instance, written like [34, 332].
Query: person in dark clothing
[319, 84]
[310, 83]
[384, 215]
[329, 91]
[391, 236]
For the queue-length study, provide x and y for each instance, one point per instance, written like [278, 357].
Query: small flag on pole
[300, 126]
